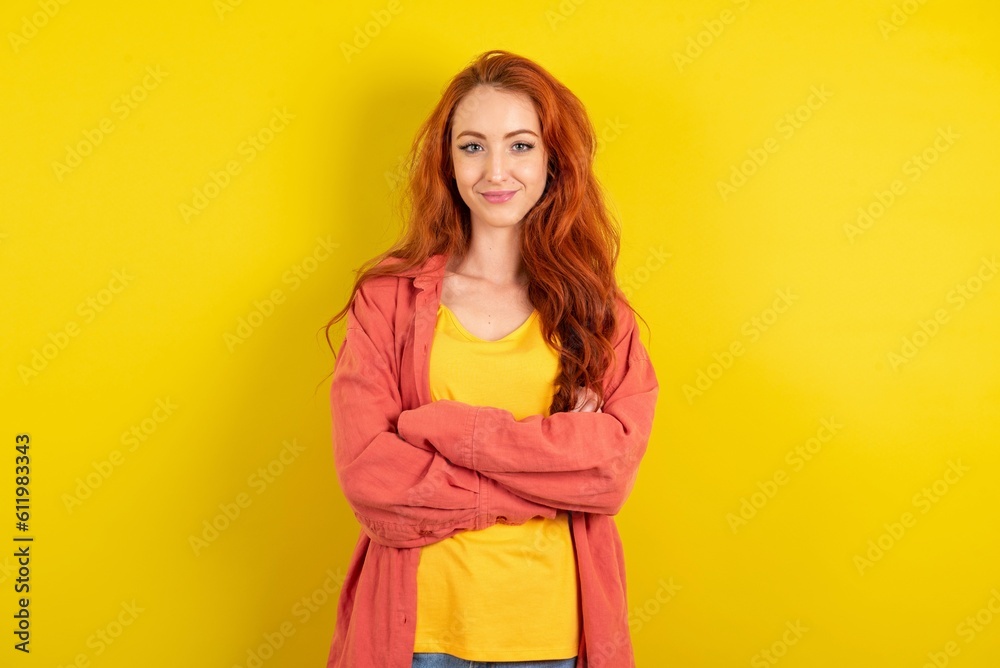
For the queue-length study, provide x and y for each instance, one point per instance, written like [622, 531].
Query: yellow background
[684, 94]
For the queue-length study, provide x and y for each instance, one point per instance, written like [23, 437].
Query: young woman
[491, 400]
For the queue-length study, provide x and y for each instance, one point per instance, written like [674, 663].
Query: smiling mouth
[499, 196]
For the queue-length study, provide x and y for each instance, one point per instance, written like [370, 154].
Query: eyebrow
[482, 136]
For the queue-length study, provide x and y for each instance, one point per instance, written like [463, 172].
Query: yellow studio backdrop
[809, 214]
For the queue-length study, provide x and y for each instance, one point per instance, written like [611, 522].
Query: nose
[497, 167]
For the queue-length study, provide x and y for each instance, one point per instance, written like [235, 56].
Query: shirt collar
[431, 273]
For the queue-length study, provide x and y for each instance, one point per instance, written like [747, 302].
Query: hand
[587, 403]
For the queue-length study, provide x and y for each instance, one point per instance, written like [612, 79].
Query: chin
[507, 222]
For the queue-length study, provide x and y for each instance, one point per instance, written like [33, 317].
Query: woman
[491, 400]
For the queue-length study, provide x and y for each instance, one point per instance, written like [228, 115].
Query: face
[500, 162]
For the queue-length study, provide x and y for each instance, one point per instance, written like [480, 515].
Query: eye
[526, 145]
[464, 147]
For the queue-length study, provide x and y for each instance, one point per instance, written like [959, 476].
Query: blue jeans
[434, 660]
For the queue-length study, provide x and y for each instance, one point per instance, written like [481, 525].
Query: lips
[499, 196]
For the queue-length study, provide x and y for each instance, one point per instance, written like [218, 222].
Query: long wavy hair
[569, 241]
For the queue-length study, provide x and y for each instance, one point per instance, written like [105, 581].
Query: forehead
[494, 112]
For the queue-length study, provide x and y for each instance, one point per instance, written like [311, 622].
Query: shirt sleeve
[403, 495]
[574, 461]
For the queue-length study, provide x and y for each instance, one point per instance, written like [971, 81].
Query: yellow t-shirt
[508, 592]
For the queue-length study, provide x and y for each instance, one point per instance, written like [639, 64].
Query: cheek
[464, 176]
[537, 173]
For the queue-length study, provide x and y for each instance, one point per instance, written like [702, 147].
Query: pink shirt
[416, 471]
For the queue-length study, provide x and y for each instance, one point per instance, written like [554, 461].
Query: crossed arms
[417, 476]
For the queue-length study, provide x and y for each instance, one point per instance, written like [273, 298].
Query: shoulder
[378, 286]
[385, 293]
[625, 322]
[627, 339]
[631, 359]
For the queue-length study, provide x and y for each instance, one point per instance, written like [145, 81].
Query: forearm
[585, 461]
[405, 496]
[574, 461]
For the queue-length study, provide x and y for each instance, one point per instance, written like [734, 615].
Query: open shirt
[416, 471]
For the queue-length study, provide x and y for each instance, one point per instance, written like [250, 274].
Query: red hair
[569, 242]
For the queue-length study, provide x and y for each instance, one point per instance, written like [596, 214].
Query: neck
[494, 255]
